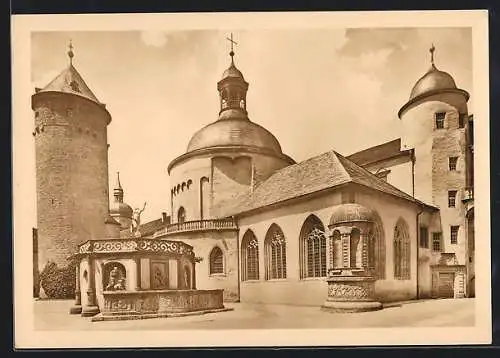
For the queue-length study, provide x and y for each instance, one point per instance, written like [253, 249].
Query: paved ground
[53, 315]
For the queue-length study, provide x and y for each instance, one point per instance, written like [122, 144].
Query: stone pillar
[364, 247]
[77, 307]
[91, 309]
[138, 277]
[346, 249]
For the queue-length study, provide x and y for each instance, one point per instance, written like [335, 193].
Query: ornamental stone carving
[350, 291]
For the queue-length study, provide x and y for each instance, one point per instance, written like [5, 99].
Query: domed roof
[232, 72]
[120, 209]
[432, 81]
[234, 132]
[347, 213]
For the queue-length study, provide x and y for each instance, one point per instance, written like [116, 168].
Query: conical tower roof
[70, 81]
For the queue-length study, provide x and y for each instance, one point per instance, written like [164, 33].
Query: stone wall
[216, 179]
[203, 243]
[433, 147]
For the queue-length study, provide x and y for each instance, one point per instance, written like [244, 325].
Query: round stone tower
[71, 167]
[435, 124]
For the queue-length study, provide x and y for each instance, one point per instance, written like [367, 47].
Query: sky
[315, 89]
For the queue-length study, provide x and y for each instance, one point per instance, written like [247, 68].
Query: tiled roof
[379, 152]
[70, 81]
[146, 229]
[325, 171]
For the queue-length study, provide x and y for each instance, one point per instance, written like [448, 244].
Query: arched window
[401, 251]
[181, 215]
[313, 248]
[249, 257]
[216, 261]
[275, 245]
[379, 244]
[355, 248]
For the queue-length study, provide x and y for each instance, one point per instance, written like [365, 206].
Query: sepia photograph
[251, 179]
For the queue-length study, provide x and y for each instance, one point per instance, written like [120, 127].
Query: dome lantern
[232, 90]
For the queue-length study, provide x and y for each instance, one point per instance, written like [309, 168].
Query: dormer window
[74, 86]
[439, 118]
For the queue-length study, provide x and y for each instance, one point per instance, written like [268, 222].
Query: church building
[268, 229]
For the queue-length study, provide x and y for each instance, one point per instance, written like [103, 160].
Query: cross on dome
[431, 50]
[230, 39]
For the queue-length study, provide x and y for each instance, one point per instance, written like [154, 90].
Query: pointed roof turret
[70, 81]
[118, 208]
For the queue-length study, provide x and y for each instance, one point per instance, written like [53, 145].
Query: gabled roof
[146, 229]
[378, 153]
[325, 171]
[70, 81]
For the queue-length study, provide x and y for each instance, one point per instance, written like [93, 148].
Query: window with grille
[216, 261]
[436, 241]
[401, 251]
[452, 194]
[439, 117]
[424, 237]
[313, 248]
[249, 257]
[276, 253]
[454, 234]
[452, 163]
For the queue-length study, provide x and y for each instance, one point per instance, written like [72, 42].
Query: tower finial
[118, 184]
[70, 52]
[431, 50]
[118, 190]
[230, 39]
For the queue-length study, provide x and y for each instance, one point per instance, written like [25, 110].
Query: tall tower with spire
[71, 145]
[119, 210]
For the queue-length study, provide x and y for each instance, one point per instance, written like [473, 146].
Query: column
[138, 274]
[77, 307]
[346, 249]
[364, 250]
[91, 309]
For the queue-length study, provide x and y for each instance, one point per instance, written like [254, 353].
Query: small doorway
[446, 285]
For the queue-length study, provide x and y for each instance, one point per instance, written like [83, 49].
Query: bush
[58, 282]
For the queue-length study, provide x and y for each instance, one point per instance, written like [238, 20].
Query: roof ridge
[382, 182]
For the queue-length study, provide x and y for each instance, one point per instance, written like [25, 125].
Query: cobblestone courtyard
[53, 315]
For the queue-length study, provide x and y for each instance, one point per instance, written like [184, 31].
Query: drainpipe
[412, 156]
[238, 253]
[418, 249]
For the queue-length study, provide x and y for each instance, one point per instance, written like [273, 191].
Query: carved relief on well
[351, 291]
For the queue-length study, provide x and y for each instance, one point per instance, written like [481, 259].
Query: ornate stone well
[134, 278]
[351, 281]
